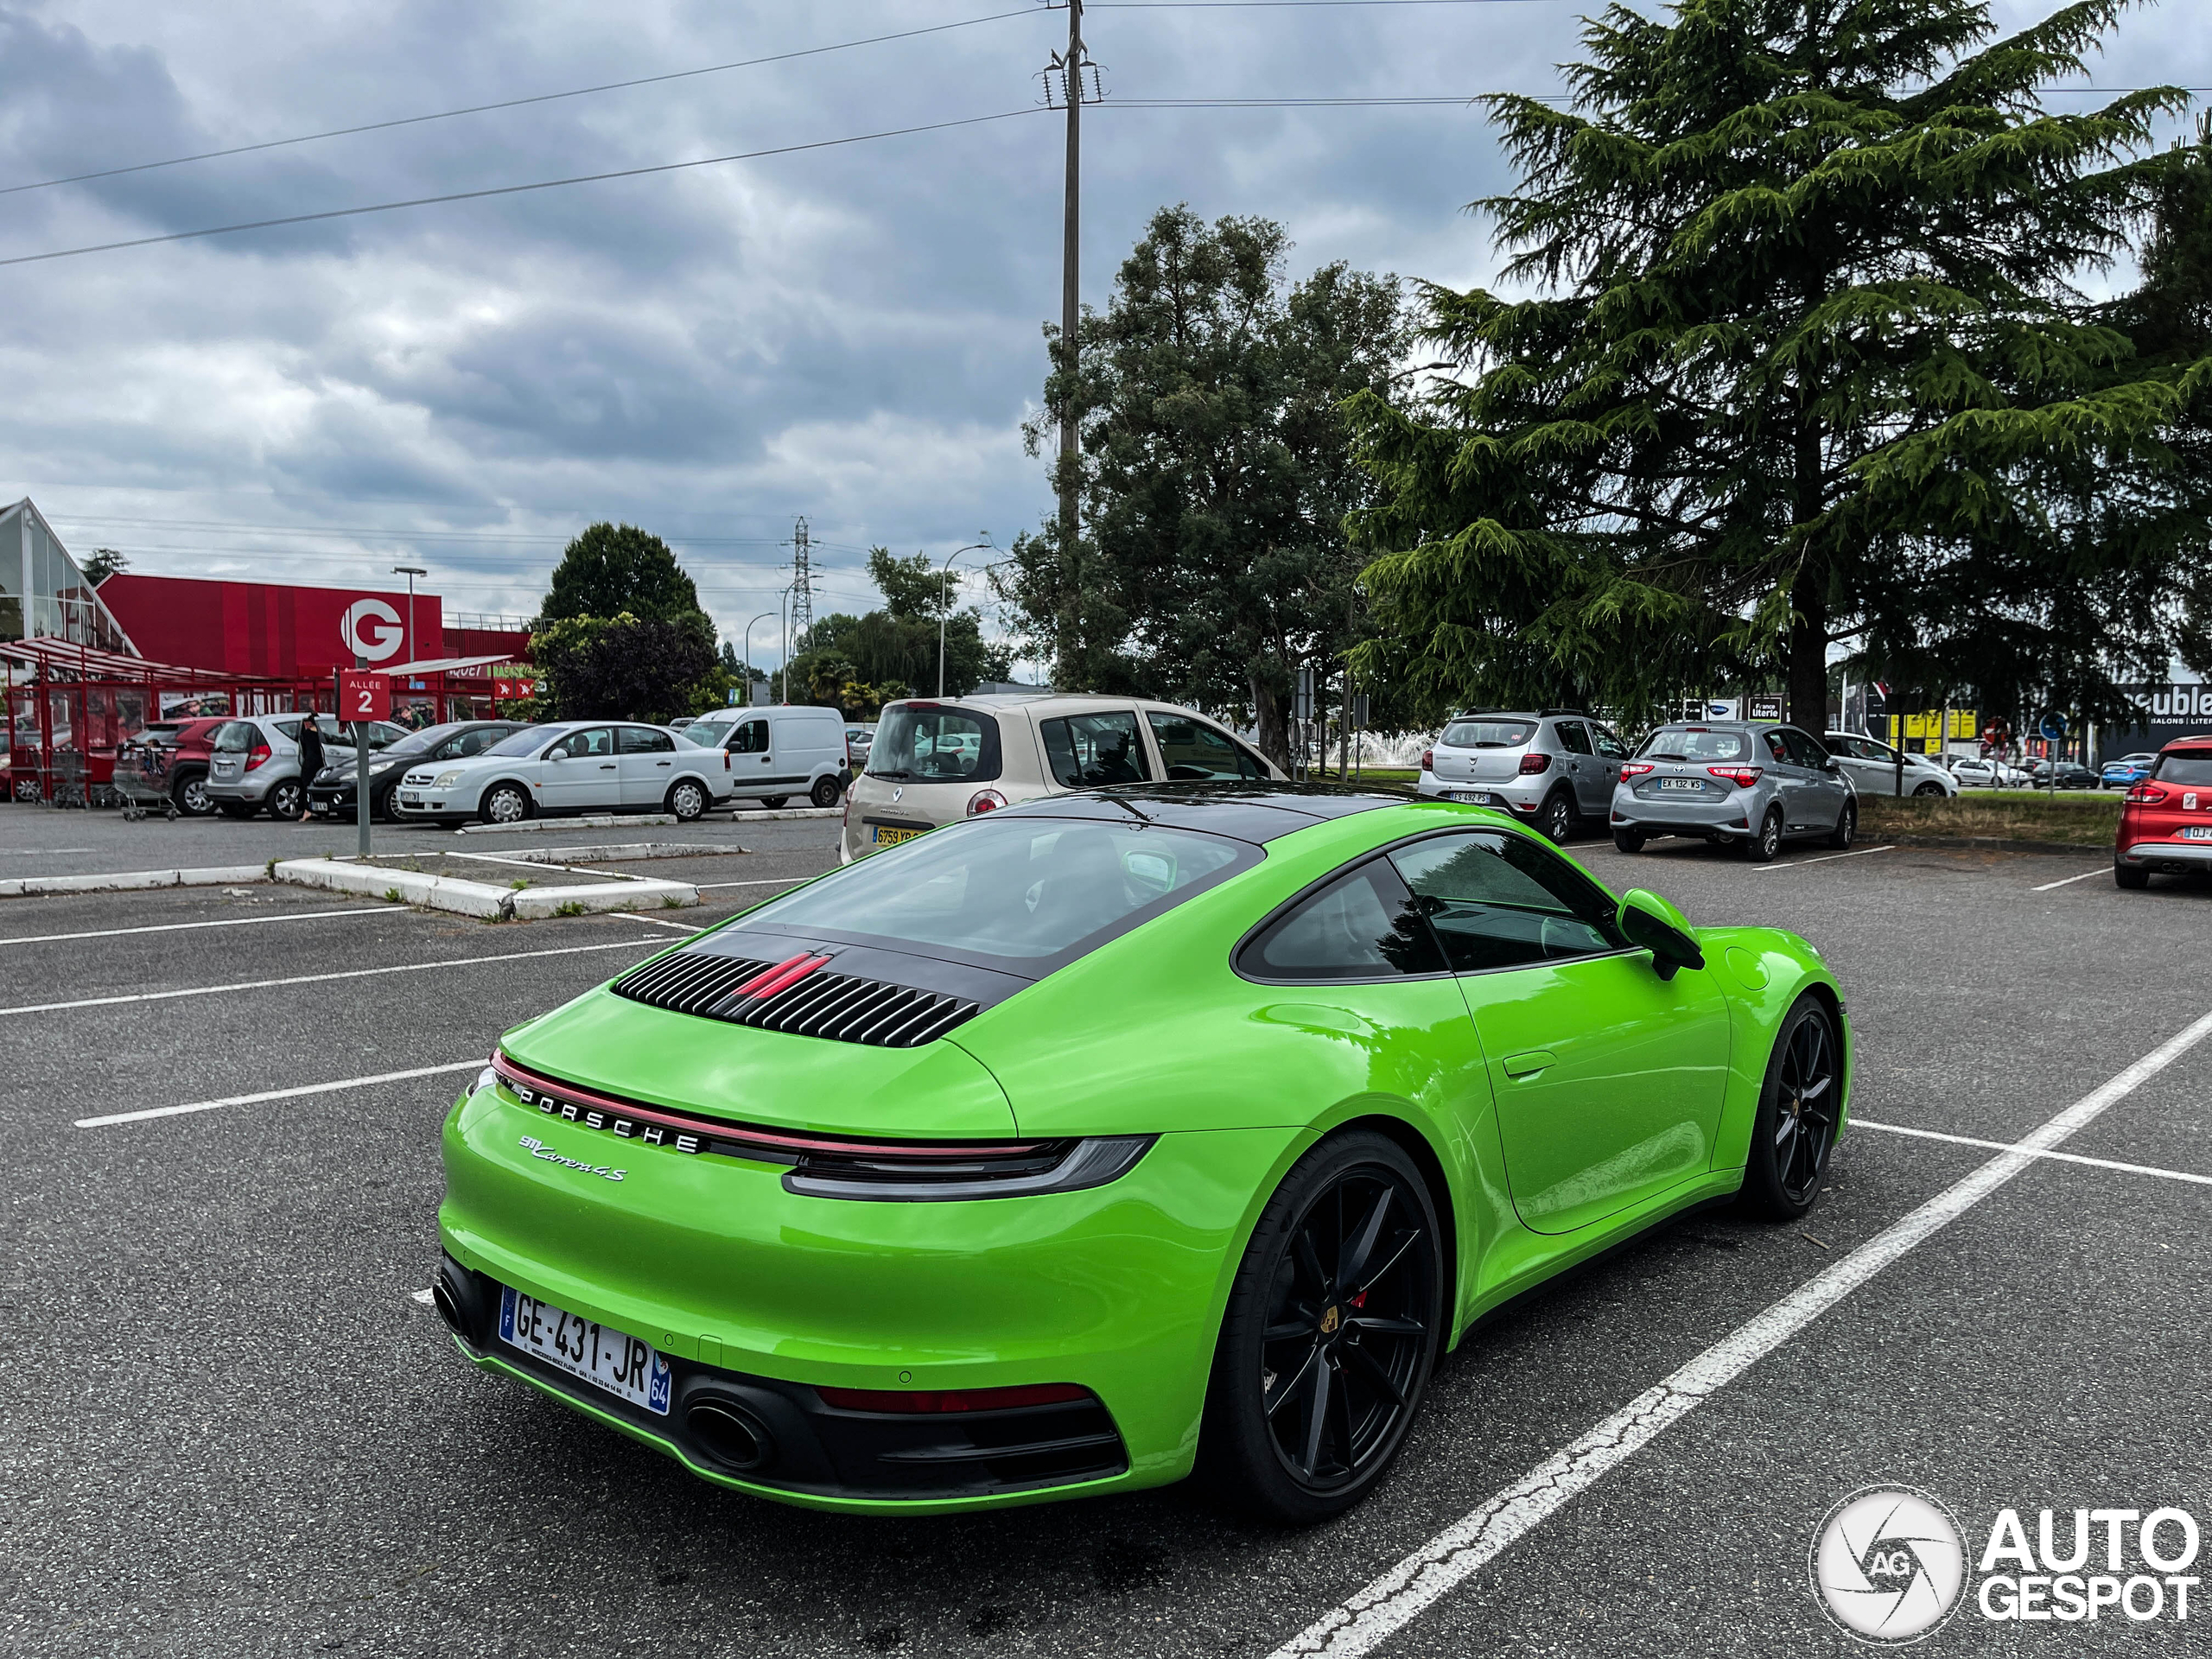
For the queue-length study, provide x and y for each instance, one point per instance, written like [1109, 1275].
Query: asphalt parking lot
[231, 1429]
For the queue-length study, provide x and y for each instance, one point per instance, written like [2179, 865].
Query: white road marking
[278, 1094]
[1370, 1616]
[2069, 880]
[313, 979]
[764, 881]
[2062, 1157]
[43, 852]
[423, 1297]
[540, 864]
[1796, 863]
[227, 921]
[653, 921]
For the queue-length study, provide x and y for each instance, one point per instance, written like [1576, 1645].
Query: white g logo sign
[381, 638]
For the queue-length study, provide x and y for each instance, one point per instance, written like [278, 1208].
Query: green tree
[624, 667]
[104, 563]
[1807, 360]
[1216, 473]
[612, 568]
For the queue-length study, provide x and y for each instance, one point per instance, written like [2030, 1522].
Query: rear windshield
[707, 734]
[1695, 743]
[1489, 733]
[1011, 892]
[2185, 766]
[525, 742]
[924, 744]
[236, 737]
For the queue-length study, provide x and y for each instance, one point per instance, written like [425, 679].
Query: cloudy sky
[850, 334]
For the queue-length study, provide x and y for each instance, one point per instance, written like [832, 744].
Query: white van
[772, 754]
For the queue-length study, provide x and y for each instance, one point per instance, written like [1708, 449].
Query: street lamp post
[411, 571]
[944, 600]
[763, 617]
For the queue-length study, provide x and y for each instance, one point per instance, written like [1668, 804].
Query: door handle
[1526, 1065]
[606, 765]
[663, 763]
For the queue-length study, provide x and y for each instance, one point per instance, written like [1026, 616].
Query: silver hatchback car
[1750, 784]
[1556, 769]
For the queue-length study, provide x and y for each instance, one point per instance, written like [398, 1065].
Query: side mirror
[1829, 766]
[1651, 924]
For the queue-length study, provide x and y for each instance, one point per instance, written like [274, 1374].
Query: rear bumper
[1730, 816]
[2176, 857]
[1522, 795]
[765, 1296]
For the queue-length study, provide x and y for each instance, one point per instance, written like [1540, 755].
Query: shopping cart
[142, 779]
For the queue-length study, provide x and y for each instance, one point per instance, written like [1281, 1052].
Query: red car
[189, 744]
[2165, 822]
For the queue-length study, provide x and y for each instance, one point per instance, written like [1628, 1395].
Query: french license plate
[625, 1366]
[1685, 786]
[882, 835]
[2197, 832]
[1473, 797]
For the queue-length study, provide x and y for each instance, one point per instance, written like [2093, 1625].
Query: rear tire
[688, 801]
[774, 803]
[2129, 878]
[1846, 825]
[505, 803]
[1930, 788]
[1760, 849]
[285, 799]
[824, 793]
[1336, 1309]
[237, 809]
[1557, 820]
[1799, 1109]
[1629, 841]
[190, 794]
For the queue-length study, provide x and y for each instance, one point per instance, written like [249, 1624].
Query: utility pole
[1078, 84]
[801, 586]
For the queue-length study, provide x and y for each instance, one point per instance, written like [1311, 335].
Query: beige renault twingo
[936, 761]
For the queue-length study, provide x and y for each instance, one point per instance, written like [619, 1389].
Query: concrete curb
[29, 887]
[610, 821]
[480, 898]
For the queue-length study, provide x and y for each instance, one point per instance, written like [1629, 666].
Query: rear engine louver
[840, 1006]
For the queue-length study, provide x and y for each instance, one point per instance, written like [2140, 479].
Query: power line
[513, 103]
[511, 189]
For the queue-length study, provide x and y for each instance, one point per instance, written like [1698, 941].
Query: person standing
[310, 760]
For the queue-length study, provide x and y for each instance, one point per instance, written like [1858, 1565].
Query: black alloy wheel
[1558, 822]
[1797, 1124]
[824, 793]
[1761, 847]
[1334, 1325]
[1847, 824]
[285, 799]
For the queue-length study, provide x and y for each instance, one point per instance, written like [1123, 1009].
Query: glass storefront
[42, 592]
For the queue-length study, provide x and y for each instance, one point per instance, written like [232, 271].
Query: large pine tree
[1803, 356]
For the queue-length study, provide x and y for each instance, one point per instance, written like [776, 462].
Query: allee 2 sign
[364, 695]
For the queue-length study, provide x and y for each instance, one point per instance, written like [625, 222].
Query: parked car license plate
[882, 835]
[1686, 786]
[2197, 832]
[625, 1366]
[1473, 797]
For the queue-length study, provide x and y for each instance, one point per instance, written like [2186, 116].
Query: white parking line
[540, 864]
[227, 921]
[1369, 1617]
[277, 1094]
[314, 979]
[653, 921]
[2036, 1152]
[2069, 880]
[1824, 858]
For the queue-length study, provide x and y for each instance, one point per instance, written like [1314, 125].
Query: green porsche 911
[1089, 1142]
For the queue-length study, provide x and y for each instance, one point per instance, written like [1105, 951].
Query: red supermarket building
[85, 668]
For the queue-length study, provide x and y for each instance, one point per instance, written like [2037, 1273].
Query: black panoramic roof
[1243, 811]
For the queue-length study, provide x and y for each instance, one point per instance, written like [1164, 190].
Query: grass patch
[572, 908]
[519, 884]
[2085, 819]
[391, 895]
[671, 902]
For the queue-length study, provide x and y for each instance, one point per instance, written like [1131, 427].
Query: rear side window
[1087, 751]
[1609, 746]
[931, 743]
[644, 740]
[1695, 743]
[287, 729]
[1500, 901]
[1488, 735]
[2190, 767]
[1575, 736]
[1805, 748]
[1191, 750]
[1364, 925]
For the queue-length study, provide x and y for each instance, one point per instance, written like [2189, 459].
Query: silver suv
[253, 763]
[1554, 769]
[1752, 784]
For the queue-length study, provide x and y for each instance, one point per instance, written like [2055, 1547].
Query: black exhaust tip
[449, 1310]
[729, 1433]
[462, 1302]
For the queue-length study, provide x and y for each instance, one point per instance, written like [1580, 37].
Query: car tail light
[1635, 768]
[1742, 777]
[1428, 760]
[1535, 763]
[847, 820]
[903, 1401]
[2145, 795]
[984, 800]
[256, 755]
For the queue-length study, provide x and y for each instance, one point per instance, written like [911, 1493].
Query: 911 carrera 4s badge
[538, 1149]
